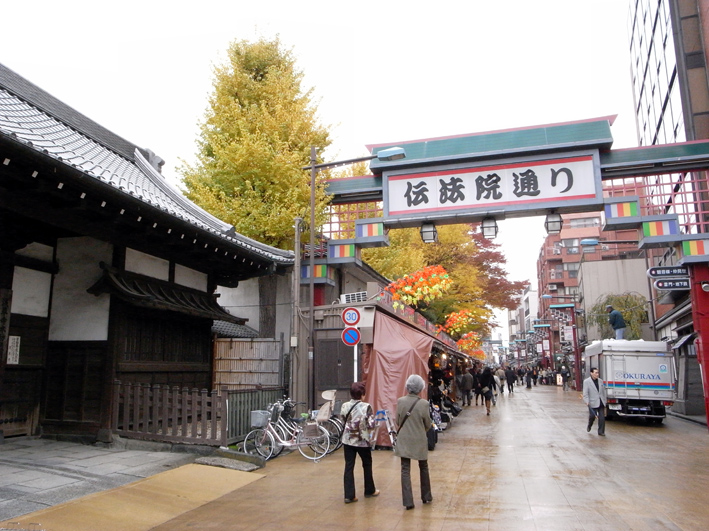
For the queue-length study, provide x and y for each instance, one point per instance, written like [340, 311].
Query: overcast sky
[383, 71]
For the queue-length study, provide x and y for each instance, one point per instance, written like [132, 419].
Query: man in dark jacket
[466, 386]
[511, 377]
[615, 319]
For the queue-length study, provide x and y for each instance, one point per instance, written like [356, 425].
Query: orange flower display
[423, 286]
[470, 344]
[458, 323]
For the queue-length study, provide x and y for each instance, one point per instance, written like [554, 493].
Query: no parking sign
[351, 336]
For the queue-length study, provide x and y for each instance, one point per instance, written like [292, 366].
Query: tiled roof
[226, 329]
[150, 292]
[36, 119]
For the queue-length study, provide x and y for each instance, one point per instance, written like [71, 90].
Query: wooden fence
[169, 414]
[247, 363]
[240, 404]
[188, 416]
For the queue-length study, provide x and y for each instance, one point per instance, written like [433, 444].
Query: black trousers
[365, 454]
[599, 412]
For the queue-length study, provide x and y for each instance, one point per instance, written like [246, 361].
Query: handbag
[352, 427]
[486, 389]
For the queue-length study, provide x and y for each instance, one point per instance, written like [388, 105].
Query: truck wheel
[657, 421]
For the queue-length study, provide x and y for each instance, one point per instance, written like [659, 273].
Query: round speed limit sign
[350, 316]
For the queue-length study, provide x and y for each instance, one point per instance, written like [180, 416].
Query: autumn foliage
[470, 344]
[458, 323]
[422, 287]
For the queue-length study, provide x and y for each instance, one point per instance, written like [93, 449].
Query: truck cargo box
[639, 376]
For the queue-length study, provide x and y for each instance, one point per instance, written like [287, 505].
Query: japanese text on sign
[571, 178]
[668, 271]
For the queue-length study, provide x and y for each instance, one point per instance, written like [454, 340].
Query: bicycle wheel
[281, 432]
[259, 442]
[334, 429]
[314, 447]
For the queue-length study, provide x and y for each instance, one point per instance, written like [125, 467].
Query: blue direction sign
[351, 336]
[671, 284]
[668, 272]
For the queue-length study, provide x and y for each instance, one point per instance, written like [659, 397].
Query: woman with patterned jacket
[359, 423]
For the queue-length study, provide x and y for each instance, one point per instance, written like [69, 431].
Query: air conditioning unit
[605, 248]
[552, 287]
[358, 296]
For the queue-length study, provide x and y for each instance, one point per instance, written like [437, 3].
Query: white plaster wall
[615, 277]
[190, 278]
[242, 301]
[77, 315]
[145, 264]
[30, 292]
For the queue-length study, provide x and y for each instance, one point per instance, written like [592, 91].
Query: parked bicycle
[274, 432]
[328, 416]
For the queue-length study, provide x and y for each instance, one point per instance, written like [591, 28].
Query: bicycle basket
[311, 430]
[259, 419]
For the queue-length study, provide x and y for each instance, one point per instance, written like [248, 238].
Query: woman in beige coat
[414, 420]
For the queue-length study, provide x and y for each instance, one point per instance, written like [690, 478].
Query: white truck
[639, 376]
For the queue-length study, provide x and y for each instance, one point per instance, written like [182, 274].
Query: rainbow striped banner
[342, 251]
[320, 271]
[695, 247]
[660, 228]
[622, 210]
[370, 229]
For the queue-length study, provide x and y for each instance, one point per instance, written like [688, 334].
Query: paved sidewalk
[39, 473]
[530, 465]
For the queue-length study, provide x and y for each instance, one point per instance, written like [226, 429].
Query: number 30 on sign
[350, 316]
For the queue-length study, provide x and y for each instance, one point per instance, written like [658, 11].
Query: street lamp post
[389, 154]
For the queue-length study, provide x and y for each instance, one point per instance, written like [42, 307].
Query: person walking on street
[615, 319]
[358, 421]
[511, 378]
[466, 386]
[414, 421]
[476, 385]
[487, 386]
[594, 394]
[565, 377]
[500, 373]
[528, 377]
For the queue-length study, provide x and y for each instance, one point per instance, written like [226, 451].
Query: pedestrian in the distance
[476, 385]
[594, 394]
[359, 422]
[511, 378]
[500, 373]
[466, 387]
[487, 386]
[615, 319]
[565, 377]
[414, 421]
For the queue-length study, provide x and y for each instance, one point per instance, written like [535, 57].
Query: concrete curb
[702, 421]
